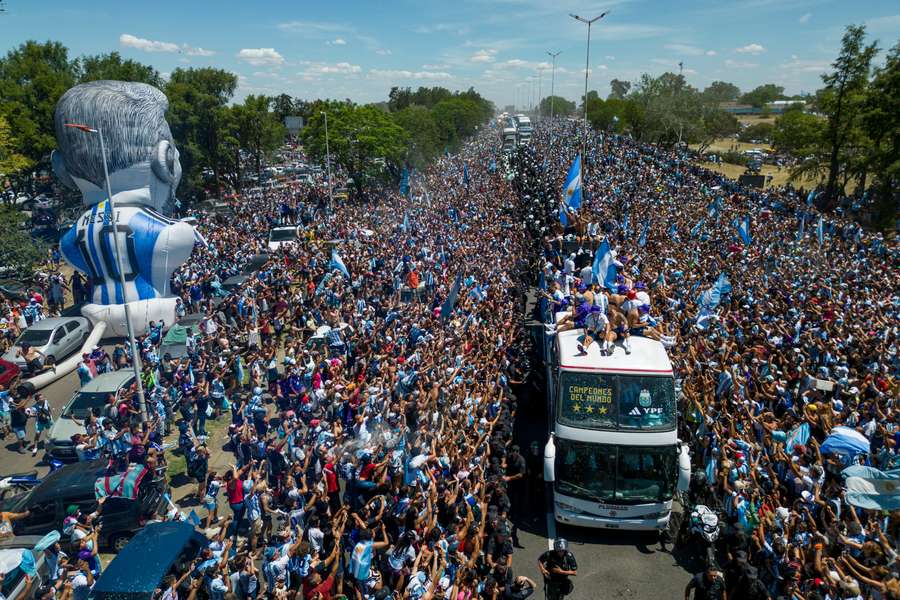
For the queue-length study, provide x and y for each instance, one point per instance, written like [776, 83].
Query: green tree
[423, 133]
[561, 106]
[259, 132]
[32, 79]
[842, 100]
[11, 162]
[618, 89]
[607, 115]
[881, 121]
[671, 111]
[358, 136]
[283, 106]
[721, 91]
[197, 115]
[18, 251]
[757, 131]
[399, 98]
[113, 66]
[717, 123]
[762, 95]
[457, 118]
[798, 133]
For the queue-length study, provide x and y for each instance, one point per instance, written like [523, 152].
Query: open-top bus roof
[647, 356]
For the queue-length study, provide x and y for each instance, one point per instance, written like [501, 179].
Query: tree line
[848, 131]
[220, 140]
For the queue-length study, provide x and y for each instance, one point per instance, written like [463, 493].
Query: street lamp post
[135, 355]
[553, 80]
[587, 65]
[540, 88]
[328, 162]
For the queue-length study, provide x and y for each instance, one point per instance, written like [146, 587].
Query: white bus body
[613, 458]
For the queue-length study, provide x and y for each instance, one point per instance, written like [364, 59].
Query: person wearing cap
[557, 566]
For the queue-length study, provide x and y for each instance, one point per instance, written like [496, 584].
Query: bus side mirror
[550, 460]
[684, 468]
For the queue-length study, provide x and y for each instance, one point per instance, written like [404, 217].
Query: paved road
[58, 393]
[610, 565]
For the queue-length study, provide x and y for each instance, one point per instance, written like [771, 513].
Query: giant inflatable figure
[144, 172]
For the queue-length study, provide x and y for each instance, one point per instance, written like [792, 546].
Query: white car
[280, 236]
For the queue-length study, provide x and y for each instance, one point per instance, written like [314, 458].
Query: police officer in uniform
[557, 566]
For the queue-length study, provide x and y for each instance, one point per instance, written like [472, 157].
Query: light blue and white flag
[604, 269]
[338, 264]
[450, 302]
[810, 197]
[743, 229]
[571, 191]
[642, 241]
[820, 231]
[696, 228]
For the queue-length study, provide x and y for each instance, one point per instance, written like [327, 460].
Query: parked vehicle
[8, 372]
[74, 485]
[174, 343]
[91, 397]
[280, 236]
[56, 337]
[15, 289]
[14, 580]
[158, 550]
[255, 263]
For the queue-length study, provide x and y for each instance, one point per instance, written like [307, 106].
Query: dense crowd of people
[779, 333]
[367, 376]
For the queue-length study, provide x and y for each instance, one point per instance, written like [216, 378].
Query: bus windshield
[607, 401]
[615, 474]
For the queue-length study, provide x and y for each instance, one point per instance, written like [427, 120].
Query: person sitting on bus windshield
[646, 327]
[596, 328]
[620, 328]
[575, 319]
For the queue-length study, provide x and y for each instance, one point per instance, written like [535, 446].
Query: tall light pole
[135, 355]
[553, 80]
[540, 88]
[328, 162]
[587, 66]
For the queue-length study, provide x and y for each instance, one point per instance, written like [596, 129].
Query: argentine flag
[743, 229]
[338, 264]
[571, 191]
[820, 231]
[361, 561]
[696, 228]
[642, 241]
[604, 268]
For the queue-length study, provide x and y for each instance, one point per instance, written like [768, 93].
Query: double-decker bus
[613, 457]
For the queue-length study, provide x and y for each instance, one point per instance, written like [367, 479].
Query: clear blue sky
[360, 49]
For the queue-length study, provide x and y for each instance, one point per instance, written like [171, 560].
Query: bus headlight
[567, 507]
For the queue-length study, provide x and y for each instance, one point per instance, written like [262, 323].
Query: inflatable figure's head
[143, 162]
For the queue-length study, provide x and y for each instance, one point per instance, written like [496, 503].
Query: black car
[158, 550]
[74, 485]
[16, 289]
[254, 264]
